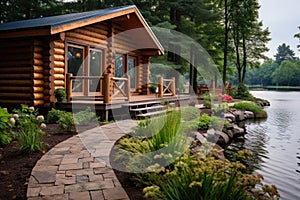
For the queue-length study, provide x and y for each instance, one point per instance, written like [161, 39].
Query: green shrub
[206, 100]
[29, 125]
[84, 117]
[205, 121]
[66, 121]
[251, 106]
[60, 94]
[242, 92]
[53, 116]
[204, 177]
[6, 123]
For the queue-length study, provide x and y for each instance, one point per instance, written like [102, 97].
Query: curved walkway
[78, 168]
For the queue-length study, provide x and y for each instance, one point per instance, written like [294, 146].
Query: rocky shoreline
[222, 138]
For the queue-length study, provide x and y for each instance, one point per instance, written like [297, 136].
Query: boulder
[230, 117]
[248, 114]
[223, 138]
[237, 131]
[218, 152]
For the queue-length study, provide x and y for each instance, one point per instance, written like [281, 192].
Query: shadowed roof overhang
[128, 17]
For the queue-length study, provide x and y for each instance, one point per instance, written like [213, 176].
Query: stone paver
[79, 169]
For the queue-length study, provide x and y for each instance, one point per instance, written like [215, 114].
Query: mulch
[15, 167]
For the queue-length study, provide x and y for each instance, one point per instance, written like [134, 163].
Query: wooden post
[213, 86]
[69, 86]
[160, 86]
[127, 87]
[106, 88]
[173, 86]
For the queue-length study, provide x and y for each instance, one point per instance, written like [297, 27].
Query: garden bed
[15, 167]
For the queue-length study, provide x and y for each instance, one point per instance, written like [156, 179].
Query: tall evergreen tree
[284, 52]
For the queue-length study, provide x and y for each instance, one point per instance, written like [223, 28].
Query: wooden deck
[120, 106]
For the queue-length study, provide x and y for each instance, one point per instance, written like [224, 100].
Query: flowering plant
[29, 125]
[224, 97]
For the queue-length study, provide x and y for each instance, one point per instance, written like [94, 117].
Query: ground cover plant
[177, 174]
[258, 111]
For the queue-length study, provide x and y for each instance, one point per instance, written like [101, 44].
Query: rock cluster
[222, 138]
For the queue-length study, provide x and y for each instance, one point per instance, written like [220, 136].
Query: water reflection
[275, 143]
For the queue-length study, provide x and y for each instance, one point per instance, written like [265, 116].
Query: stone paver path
[78, 168]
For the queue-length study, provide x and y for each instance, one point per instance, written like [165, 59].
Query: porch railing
[121, 86]
[166, 87]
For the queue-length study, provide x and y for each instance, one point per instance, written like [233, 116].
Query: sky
[283, 18]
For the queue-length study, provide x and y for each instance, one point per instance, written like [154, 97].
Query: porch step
[151, 114]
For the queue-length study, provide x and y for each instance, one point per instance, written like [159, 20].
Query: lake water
[275, 143]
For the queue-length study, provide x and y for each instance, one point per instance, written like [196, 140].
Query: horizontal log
[38, 89]
[38, 69]
[15, 43]
[38, 102]
[37, 83]
[46, 72]
[101, 27]
[15, 82]
[15, 57]
[59, 70]
[59, 83]
[47, 105]
[15, 76]
[13, 101]
[38, 49]
[38, 75]
[57, 77]
[19, 50]
[48, 92]
[97, 30]
[84, 37]
[38, 62]
[15, 96]
[17, 63]
[15, 89]
[91, 34]
[57, 51]
[57, 57]
[38, 95]
[57, 44]
[37, 55]
[57, 64]
[38, 43]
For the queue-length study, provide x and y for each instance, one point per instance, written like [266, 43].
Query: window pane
[131, 71]
[75, 60]
[95, 70]
[119, 65]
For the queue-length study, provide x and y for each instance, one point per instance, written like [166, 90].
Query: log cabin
[102, 55]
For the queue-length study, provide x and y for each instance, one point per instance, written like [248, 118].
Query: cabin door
[86, 66]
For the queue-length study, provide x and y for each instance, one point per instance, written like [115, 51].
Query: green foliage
[204, 177]
[84, 117]
[250, 106]
[207, 100]
[6, 123]
[242, 92]
[29, 125]
[205, 122]
[284, 52]
[66, 121]
[287, 73]
[53, 116]
[60, 94]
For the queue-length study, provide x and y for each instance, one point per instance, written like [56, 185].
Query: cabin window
[131, 63]
[85, 63]
[119, 65]
[75, 66]
[95, 69]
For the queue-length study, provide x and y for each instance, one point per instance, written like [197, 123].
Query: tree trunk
[244, 66]
[225, 46]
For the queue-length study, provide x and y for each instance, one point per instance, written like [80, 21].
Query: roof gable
[47, 26]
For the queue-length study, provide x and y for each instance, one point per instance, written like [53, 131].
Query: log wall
[16, 71]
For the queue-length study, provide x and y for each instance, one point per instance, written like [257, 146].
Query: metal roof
[59, 20]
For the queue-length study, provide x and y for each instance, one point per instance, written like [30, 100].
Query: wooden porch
[138, 106]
